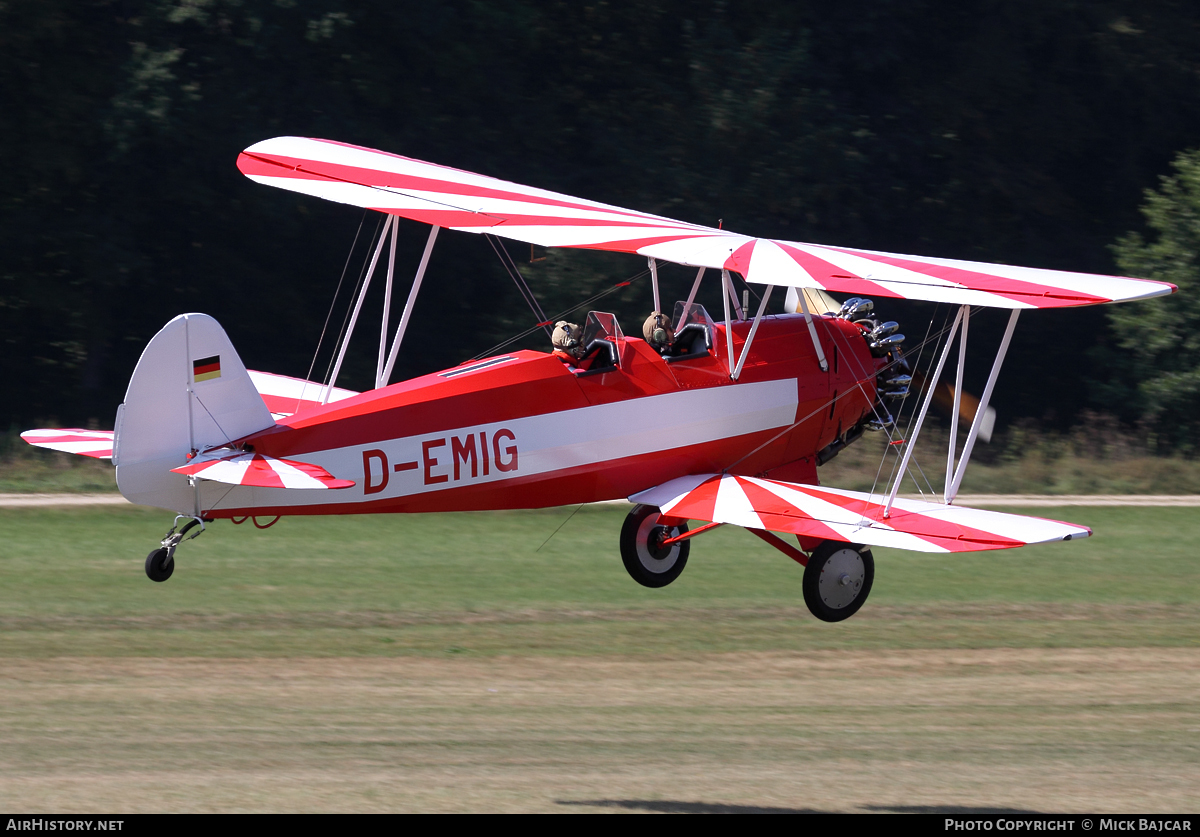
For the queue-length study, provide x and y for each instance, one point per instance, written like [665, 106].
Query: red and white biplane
[722, 421]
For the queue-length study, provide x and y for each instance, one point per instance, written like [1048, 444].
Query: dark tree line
[1015, 131]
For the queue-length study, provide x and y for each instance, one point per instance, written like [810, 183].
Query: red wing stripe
[833, 277]
[913, 523]
[1002, 286]
[780, 515]
[196, 468]
[513, 220]
[267, 165]
[739, 259]
[262, 474]
[67, 438]
[700, 503]
[633, 245]
[463, 219]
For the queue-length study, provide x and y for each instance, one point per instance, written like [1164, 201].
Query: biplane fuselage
[526, 430]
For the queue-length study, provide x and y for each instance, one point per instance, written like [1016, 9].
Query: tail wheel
[838, 580]
[650, 563]
[160, 564]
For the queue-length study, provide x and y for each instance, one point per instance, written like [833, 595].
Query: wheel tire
[160, 564]
[650, 566]
[838, 580]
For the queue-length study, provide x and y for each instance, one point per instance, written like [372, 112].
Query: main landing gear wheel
[838, 580]
[651, 564]
[160, 564]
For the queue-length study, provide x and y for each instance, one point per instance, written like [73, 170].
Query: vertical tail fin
[189, 392]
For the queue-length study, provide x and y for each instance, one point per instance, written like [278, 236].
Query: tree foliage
[1018, 132]
[1160, 338]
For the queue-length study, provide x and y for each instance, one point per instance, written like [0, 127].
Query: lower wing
[850, 516]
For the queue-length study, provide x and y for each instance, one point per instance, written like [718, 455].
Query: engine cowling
[892, 380]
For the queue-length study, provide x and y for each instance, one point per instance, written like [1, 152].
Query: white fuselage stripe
[535, 445]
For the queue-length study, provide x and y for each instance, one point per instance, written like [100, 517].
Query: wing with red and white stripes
[286, 396]
[95, 443]
[260, 471]
[461, 200]
[850, 516]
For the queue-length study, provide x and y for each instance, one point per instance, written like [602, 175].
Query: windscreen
[601, 326]
[695, 313]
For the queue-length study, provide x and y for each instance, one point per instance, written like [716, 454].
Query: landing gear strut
[161, 562]
[646, 559]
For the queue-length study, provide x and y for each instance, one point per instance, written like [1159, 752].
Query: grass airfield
[441, 663]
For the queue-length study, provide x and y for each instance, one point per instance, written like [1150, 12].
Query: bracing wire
[333, 303]
[976, 310]
[346, 318]
[594, 298]
[559, 529]
[514, 273]
[913, 415]
[825, 406]
[510, 267]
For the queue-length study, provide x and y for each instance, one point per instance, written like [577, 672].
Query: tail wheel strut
[160, 563]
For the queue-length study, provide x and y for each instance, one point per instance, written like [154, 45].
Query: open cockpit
[597, 346]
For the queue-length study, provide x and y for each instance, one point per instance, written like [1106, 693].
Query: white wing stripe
[293, 477]
[734, 507]
[852, 526]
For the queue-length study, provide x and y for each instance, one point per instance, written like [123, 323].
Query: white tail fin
[189, 392]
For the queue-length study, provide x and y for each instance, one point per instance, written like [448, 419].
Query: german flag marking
[206, 368]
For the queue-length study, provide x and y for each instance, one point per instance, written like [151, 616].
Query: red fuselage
[526, 431]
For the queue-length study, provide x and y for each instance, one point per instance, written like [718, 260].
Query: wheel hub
[655, 543]
[653, 555]
[842, 578]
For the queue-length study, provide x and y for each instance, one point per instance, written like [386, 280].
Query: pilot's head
[657, 330]
[566, 337]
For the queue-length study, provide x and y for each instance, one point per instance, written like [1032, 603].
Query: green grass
[29, 470]
[442, 663]
[71, 582]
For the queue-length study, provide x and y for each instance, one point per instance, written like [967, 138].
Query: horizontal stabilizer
[460, 200]
[94, 443]
[286, 396]
[260, 471]
[850, 516]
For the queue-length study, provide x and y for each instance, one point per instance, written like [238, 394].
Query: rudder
[189, 391]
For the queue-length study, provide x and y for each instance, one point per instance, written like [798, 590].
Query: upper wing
[850, 516]
[95, 443]
[456, 199]
[285, 396]
[461, 200]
